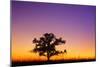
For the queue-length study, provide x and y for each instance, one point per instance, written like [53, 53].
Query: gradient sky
[74, 23]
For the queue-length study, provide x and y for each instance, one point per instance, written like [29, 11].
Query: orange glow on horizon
[24, 54]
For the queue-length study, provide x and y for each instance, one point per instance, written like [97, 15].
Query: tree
[45, 46]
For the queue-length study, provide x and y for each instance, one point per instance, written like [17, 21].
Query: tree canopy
[45, 45]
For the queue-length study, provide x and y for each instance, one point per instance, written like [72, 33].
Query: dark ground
[27, 63]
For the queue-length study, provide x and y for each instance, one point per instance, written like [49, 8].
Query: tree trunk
[48, 57]
[48, 52]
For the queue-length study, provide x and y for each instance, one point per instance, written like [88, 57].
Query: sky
[74, 23]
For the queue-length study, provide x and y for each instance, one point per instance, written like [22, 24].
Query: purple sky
[66, 17]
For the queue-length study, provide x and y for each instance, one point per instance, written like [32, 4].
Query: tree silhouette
[45, 46]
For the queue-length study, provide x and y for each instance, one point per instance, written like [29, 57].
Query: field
[26, 63]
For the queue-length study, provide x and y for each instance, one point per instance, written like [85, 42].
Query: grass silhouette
[26, 63]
